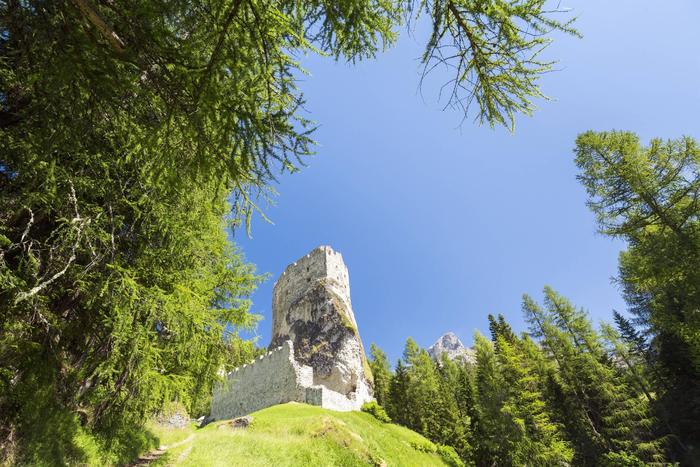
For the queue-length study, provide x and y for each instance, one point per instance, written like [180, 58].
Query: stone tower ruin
[311, 307]
[316, 354]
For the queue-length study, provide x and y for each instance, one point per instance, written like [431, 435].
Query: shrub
[376, 410]
[424, 446]
[449, 455]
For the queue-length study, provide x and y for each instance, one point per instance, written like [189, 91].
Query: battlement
[282, 354]
[271, 379]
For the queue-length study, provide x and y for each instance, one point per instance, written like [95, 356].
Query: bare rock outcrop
[450, 345]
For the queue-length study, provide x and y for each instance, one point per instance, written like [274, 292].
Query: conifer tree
[456, 424]
[648, 196]
[490, 395]
[578, 409]
[610, 420]
[422, 396]
[630, 334]
[632, 419]
[467, 403]
[531, 436]
[398, 407]
[422, 390]
[499, 327]
[515, 427]
[433, 415]
[381, 371]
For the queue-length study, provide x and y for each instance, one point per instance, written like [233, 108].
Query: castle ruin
[316, 354]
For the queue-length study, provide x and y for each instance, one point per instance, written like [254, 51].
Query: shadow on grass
[51, 435]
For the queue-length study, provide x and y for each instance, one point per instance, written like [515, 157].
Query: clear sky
[441, 223]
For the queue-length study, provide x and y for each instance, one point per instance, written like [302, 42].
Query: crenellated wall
[271, 379]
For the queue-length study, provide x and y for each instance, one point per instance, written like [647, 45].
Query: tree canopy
[649, 197]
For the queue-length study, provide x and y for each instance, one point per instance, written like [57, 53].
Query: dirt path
[158, 453]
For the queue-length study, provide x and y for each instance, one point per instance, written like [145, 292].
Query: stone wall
[274, 378]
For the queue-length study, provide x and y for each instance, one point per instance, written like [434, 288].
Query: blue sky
[441, 223]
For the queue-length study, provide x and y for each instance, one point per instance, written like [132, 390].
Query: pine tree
[530, 434]
[456, 424]
[490, 395]
[499, 327]
[633, 421]
[397, 406]
[379, 363]
[606, 420]
[630, 334]
[411, 351]
[431, 412]
[647, 196]
[514, 424]
[575, 388]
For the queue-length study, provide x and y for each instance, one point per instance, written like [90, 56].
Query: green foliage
[240, 352]
[515, 426]
[621, 459]
[499, 328]
[648, 196]
[172, 408]
[56, 436]
[630, 334]
[494, 48]
[449, 455]
[381, 370]
[422, 396]
[433, 410]
[533, 435]
[600, 410]
[562, 395]
[397, 405]
[424, 446]
[376, 410]
[118, 295]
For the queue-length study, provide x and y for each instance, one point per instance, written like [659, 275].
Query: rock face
[311, 307]
[450, 344]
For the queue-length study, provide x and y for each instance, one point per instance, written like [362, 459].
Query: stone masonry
[316, 355]
[271, 379]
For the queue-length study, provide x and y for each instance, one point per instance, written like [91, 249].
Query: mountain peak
[450, 344]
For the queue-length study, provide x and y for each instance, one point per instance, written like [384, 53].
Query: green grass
[167, 435]
[298, 435]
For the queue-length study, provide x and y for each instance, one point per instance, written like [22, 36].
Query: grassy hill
[298, 435]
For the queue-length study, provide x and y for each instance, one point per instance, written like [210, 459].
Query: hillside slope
[298, 435]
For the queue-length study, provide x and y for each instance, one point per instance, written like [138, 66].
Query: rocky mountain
[450, 344]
